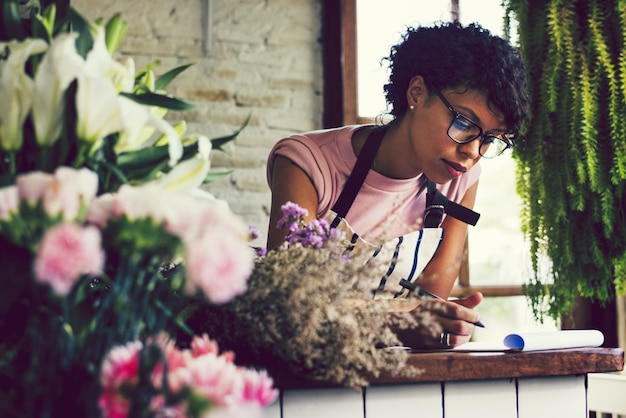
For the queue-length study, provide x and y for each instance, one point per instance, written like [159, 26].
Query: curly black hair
[450, 55]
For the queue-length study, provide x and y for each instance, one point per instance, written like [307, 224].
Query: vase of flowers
[104, 233]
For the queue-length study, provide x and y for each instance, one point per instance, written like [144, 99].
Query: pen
[423, 292]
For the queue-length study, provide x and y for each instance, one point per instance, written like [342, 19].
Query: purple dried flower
[254, 232]
[292, 216]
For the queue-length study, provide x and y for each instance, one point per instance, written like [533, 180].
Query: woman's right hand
[452, 323]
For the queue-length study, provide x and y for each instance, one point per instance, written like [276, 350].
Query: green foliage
[572, 165]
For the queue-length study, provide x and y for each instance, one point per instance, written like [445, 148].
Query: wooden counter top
[449, 365]
[443, 366]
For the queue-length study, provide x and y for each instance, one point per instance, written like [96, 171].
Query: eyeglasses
[463, 130]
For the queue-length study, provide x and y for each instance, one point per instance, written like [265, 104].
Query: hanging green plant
[572, 165]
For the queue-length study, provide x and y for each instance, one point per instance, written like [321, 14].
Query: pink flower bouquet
[111, 271]
[101, 243]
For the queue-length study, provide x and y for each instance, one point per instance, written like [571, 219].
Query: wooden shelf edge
[446, 366]
[452, 366]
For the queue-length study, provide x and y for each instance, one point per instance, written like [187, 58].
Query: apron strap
[436, 203]
[359, 172]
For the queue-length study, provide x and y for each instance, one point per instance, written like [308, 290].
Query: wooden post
[594, 315]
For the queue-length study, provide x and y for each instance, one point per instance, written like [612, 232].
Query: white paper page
[528, 341]
[541, 340]
[532, 341]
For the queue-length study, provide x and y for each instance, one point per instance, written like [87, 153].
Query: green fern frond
[619, 271]
[554, 60]
[589, 118]
[607, 200]
[572, 170]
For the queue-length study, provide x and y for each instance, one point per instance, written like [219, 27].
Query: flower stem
[12, 164]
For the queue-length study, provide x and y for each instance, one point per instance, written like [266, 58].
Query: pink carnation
[219, 263]
[119, 372]
[204, 345]
[65, 192]
[177, 212]
[100, 210]
[72, 190]
[9, 202]
[66, 252]
[32, 186]
[215, 378]
[232, 391]
[258, 387]
[150, 201]
[176, 361]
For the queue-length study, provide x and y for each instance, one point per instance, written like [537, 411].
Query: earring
[411, 107]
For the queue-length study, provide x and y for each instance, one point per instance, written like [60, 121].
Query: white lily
[16, 90]
[175, 144]
[202, 194]
[59, 67]
[100, 62]
[189, 174]
[102, 111]
[98, 109]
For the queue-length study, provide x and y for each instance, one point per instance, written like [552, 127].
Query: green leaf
[217, 143]
[142, 157]
[141, 73]
[159, 100]
[164, 80]
[44, 23]
[80, 25]
[12, 23]
[212, 176]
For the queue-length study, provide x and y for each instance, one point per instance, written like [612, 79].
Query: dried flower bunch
[305, 313]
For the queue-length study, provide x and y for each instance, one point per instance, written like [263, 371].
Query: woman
[456, 94]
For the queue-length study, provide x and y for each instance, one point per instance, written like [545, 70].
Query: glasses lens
[462, 129]
[492, 146]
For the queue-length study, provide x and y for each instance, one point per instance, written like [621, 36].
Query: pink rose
[66, 252]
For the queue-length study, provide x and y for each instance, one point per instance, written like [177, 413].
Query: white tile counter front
[460, 385]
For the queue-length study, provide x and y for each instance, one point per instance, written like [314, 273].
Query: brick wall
[265, 61]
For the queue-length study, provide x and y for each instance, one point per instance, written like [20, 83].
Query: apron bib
[405, 257]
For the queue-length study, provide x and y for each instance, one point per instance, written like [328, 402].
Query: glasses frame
[482, 135]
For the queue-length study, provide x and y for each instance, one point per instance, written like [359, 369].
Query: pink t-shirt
[384, 208]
